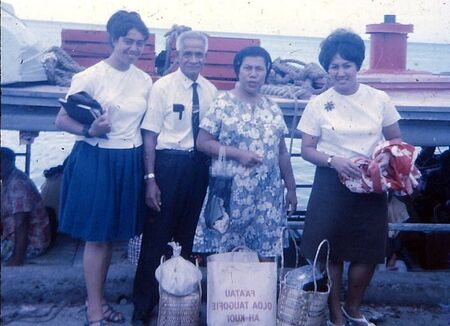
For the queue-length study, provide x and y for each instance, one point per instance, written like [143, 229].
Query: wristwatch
[86, 131]
[149, 176]
[329, 159]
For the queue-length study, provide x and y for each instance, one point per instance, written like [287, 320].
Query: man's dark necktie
[195, 112]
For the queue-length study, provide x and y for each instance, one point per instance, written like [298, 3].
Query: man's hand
[153, 195]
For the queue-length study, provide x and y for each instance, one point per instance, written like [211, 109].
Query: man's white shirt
[170, 109]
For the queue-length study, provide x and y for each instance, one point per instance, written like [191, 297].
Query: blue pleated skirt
[102, 195]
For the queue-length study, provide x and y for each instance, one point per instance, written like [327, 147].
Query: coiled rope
[294, 79]
[59, 66]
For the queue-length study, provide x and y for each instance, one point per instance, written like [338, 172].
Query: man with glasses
[176, 175]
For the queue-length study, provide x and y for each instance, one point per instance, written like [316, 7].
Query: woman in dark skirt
[345, 122]
[102, 191]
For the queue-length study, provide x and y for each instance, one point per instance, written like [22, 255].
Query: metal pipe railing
[406, 227]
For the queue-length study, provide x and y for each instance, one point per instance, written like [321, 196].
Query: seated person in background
[50, 191]
[397, 213]
[25, 223]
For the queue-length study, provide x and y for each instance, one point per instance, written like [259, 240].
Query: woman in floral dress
[250, 128]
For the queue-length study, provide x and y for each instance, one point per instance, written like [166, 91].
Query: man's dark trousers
[182, 178]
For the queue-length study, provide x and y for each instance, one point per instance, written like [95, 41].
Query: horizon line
[211, 31]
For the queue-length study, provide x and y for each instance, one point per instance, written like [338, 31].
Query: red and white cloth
[400, 176]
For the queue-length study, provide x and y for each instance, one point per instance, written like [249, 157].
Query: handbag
[241, 290]
[82, 107]
[217, 208]
[305, 305]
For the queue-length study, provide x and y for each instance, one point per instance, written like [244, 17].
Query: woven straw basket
[179, 310]
[298, 307]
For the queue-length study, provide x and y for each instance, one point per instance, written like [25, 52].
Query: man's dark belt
[189, 153]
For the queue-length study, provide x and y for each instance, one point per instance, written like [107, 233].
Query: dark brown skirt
[354, 224]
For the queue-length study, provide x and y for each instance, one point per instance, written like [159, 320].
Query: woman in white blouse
[102, 192]
[346, 121]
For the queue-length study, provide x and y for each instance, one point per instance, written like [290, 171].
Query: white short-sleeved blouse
[348, 125]
[125, 94]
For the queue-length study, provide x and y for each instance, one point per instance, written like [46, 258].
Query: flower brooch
[329, 106]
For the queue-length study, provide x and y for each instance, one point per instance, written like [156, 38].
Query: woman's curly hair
[347, 44]
[120, 23]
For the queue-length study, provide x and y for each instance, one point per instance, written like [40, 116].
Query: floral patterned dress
[256, 203]
[20, 195]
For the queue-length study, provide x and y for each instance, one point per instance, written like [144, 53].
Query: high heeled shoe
[357, 321]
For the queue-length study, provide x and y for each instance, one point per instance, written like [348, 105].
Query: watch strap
[86, 131]
[329, 159]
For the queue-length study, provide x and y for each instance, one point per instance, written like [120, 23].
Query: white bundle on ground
[178, 276]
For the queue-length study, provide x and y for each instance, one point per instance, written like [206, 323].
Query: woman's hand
[100, 126]
[346, 167]
[249, 159]
[291, 201]
[383, 161]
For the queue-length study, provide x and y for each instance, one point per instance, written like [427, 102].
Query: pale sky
[431, 18]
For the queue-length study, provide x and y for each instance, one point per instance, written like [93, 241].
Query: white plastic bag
[222, 167]
[178, 276]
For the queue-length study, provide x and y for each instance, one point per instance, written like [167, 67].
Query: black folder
[81, 107]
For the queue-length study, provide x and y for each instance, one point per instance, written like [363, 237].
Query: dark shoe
[141, 317]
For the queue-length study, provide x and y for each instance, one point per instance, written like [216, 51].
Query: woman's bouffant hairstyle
[252, 51]
[347, 44]
[120, 23]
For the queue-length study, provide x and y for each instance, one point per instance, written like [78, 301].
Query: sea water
[51, 148]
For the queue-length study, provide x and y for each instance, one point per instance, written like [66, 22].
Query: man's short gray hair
[191, 35]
